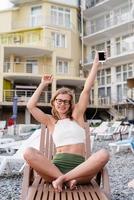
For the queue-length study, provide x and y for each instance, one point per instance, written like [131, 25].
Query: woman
[67, 128]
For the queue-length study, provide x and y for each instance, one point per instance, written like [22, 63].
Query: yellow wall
[7, 85]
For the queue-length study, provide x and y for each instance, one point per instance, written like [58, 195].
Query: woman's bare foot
[58, 183]
[72, 184]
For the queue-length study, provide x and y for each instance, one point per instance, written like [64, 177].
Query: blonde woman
[66, 124]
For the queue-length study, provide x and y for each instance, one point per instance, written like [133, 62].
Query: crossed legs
[83, 173]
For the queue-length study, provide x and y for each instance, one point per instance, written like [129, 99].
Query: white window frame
[59, 40]
[59, 16]
[62, 67]
[36, 18]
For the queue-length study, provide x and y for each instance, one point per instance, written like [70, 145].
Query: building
[108, 25]
[38, 37]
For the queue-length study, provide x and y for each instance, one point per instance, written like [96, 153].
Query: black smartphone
[101, 55]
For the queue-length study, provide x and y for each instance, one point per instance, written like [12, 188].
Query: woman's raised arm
[39, 115]
[84, 96]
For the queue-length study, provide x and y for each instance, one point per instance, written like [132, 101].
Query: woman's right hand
[47, 79]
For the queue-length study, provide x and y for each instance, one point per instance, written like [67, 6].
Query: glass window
[62, 67]
[60, 16]
[119, 92]
[36, 16]
[58, 40]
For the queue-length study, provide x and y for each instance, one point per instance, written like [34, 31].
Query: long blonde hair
[62, 90]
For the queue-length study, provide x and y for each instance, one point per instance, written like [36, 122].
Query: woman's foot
[58, 183]
[72, 184]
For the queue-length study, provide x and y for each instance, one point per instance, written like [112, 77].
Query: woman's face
[62, 103]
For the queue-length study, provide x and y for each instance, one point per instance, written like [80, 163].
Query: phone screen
[101, 56]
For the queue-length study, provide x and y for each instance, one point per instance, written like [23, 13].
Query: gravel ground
[120, 167]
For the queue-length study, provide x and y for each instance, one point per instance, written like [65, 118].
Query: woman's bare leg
[85, 171]
[41, 164]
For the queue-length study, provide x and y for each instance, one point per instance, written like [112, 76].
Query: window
[101, 47]
[32, 66]
[62, 67]
[118, 46]
[123, 72]
[104, 83]
[36, 17]
[104, 76]
[59, 40]
[60, 16]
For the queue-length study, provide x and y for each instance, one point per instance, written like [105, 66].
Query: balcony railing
[24, 40]
[121, 49]
[108, 23]
[24, 96]
[37, 69]
[41, 21]
[90, 4]
[26, 67]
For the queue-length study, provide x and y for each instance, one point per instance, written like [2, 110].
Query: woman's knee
[29, 153]
[104, 155]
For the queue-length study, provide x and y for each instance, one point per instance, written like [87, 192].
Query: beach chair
[35, 188]
[109, 131]
[16, 162]
[99, 129]
[125, 143]
[5, 142]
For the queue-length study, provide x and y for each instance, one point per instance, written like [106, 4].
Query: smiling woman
[4, 4]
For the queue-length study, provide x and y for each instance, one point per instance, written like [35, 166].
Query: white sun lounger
[123, 144]
[108, 131]
[6, 162]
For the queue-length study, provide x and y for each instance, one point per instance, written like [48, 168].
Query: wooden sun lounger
[35, 188]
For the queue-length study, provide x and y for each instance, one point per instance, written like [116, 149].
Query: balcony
[23, 68]
[122, 52]
[41, 21]
[24, 96]
[111, 26]
[44, 100]
[100, 6]
[23, 40]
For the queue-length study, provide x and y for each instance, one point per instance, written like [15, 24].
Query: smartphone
[102, 57]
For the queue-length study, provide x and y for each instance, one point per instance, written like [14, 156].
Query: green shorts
[66, 161]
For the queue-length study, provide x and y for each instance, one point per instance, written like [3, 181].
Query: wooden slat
[57, 196]
[75, 194]
[69, 195]
[40, 190]
[33, 189]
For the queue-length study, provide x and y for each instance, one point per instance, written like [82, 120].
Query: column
[54, 72]
[1, 72]
[27, 117]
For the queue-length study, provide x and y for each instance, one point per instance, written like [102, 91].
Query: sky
[4, 4]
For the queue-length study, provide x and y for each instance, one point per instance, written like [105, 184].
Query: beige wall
[5, 21]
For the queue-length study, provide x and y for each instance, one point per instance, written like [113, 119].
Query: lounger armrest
[27, 181]
[105, 182]
[102, 177]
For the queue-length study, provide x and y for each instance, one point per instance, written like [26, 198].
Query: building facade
[38, 37]
[108, 25]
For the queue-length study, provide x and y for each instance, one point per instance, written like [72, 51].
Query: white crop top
[68, 132]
